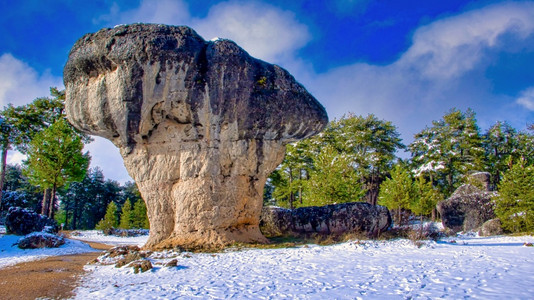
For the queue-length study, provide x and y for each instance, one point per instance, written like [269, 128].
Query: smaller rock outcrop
[40, 240]
[469, 206]
[20, 221]
[330, 219]
[491, 227]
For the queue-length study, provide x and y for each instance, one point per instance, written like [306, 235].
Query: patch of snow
[99, 237]
[10, 254]
[469, 266]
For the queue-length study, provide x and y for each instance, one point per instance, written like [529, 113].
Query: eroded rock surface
[200, 125]
[337, 219]
[467, 208]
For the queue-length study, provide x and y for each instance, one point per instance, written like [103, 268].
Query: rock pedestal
[200, 125]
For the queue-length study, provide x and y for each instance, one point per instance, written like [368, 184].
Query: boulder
[40, 240]
[491, 227]
[336, 219]
[200, 125]
[20, 221]
[467, 208]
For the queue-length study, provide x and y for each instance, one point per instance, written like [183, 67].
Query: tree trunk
[75, 214]
[51, 213]
[3, 172]
[421, 225]
[46, 202]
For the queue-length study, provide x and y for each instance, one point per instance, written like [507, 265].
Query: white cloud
[266, 32]
[21, 84]
[526, 99]
[15, 158]
[443, 68]
[105, 155]
[455, 45]
[174, 12]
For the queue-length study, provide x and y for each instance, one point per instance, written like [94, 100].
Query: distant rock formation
[334, 219]
[20, 221]
[469, 206]
[200, 125]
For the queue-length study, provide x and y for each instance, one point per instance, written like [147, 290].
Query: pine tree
[396, 192]
[55, 159]
[127, 216]
[370, 144]
[425, 198]
[140, 218]
[110, 220]
[333, 180]
[448, 150]
[515, 202]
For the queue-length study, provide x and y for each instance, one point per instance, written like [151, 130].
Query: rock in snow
[200, 125]
[20, 221]
[468, 207]
[37, 240]
[330, 219]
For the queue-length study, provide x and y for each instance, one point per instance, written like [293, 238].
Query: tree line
[356, 159]
[55, 178]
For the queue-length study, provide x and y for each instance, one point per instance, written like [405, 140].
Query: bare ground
[53, 277]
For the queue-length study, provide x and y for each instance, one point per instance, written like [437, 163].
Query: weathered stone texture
[200, 125]
[337, 219]
[467, 208]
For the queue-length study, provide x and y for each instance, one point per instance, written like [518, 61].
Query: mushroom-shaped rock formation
[200, 125]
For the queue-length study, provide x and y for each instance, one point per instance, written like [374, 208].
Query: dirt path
[53, 277]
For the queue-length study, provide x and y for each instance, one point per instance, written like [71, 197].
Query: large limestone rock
[200, 125]
[469, 206]
[336, 219]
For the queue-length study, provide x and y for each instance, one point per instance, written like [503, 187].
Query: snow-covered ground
[466, 266]
[10, 254]
[463, 267]
[97, 236]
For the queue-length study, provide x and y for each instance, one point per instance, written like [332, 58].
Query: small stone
[172, 263]
[141, 266]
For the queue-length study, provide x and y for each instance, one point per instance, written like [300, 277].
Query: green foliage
[126, 217]
[504, 145]
[110, 220]
[140, 219]
[396, 192]
[425, 197]
[447, 151]
[21, 123]
[289, 179]
[55, 157]
[370, 144]
[515, 203]
[332, 180]
[345, 162]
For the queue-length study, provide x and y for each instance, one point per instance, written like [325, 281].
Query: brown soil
[53, 277]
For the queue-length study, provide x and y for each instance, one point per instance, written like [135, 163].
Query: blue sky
[408, 62]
